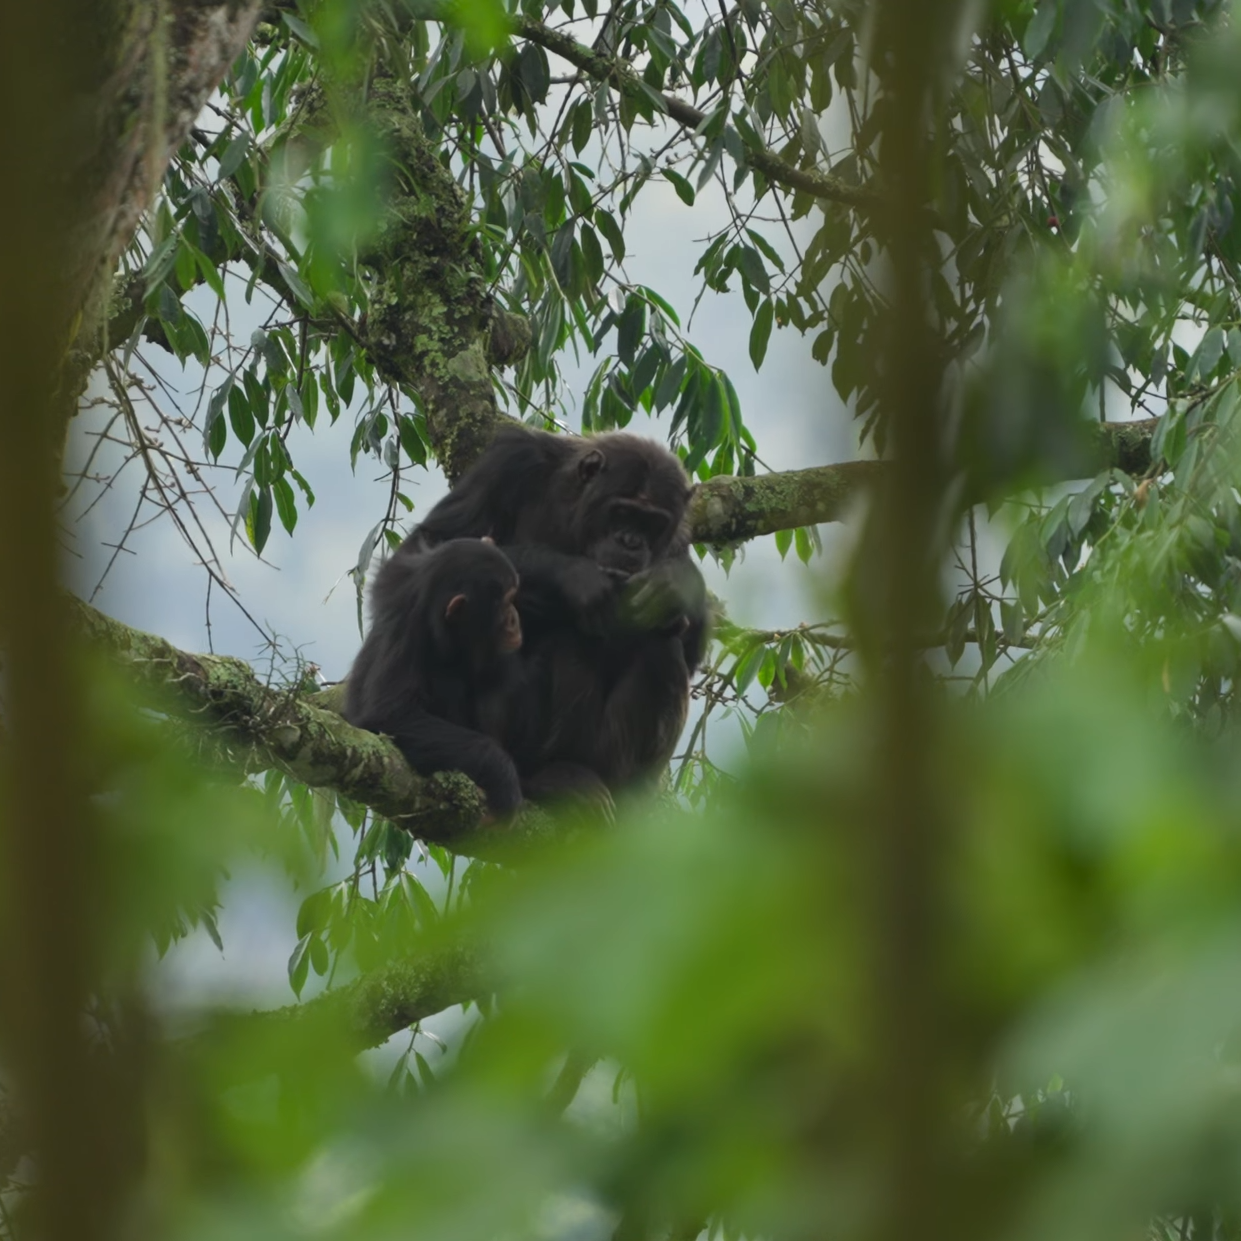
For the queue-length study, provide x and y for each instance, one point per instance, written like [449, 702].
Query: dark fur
[437, 683]
[613, 608]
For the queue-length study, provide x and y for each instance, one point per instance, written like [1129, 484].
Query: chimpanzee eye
[629, 539]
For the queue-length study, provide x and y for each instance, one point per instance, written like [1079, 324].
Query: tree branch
[253, 727]
[368, 1011]
[730, 510]
[624, 79]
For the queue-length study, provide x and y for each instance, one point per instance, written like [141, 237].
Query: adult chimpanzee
[439, 662]
[613, 609]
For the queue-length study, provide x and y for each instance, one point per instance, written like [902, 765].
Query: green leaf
[1013, 620]
[299, 288]
[234, 153]
[670, 383]
[240, 416]
[1040, 28]
[286, 506]
[533, 73]
[685, 191]
[712, 162]
[715, 420]
[784, 540]
[424, 1069]
[314, 912]
[748, 667]
[666, 307]
[210, 274]
[319, 959]
[1209, 353]
[310, 495]
[411, 440]
[805, 548]
[299, 965]
[583, 124]
[607, 226]
[769, 251]
[309, 393]
[299, 28]
[186, 266]
[215, 434]
[631, 328]
[753, 270]
[760, 333]
[592, 252]
[258, 519]
[644, 370]
[956, 629]
[419, 900]
[160, 262]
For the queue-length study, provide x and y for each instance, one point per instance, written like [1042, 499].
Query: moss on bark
[255, 727]
[430, 319]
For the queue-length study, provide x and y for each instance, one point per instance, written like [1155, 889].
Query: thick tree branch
[731, 510]
[431, 325]
[254, 727]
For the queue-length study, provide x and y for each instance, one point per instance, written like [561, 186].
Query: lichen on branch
[431, 316]
[726, 509]
[255, 727]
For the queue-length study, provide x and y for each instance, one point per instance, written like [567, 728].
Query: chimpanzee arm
[570, 782]
[431, 744]
[645, 712]
[557, 586]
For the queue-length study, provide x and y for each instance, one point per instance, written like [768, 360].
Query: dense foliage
[952, 947]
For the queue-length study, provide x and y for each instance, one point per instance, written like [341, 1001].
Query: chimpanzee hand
[570, 784]
[662, 597]
[591, 593]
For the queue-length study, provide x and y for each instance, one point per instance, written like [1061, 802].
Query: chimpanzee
[439, 663]
[613, 609]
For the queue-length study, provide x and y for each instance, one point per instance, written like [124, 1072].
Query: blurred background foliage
[955, 945]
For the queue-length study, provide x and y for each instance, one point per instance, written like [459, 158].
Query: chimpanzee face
[630, 538]
[485, 621]
[507, 632]
[632, 500]
[480, 614]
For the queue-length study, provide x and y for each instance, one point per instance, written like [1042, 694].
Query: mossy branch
[366, 1012]
[730, 510]
[255, 727]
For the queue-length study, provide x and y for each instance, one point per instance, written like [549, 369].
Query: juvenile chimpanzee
[440, 660]
[613, 609]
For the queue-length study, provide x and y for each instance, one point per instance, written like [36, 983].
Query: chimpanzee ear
[591, 464]
[455, 604]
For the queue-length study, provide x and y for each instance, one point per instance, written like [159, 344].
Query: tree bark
[155, 67]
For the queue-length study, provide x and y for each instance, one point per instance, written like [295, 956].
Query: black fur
[437, 683]
[612, 606]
